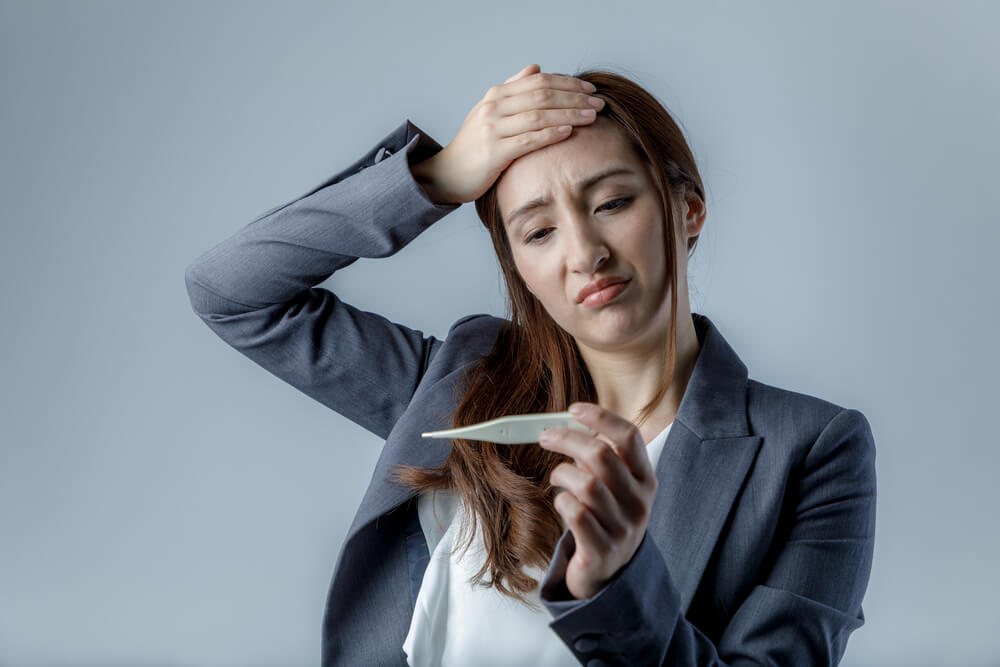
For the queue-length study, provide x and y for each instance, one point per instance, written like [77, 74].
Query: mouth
[606, 294]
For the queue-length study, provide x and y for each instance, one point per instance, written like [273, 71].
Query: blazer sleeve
[256, 291]
[800, 613]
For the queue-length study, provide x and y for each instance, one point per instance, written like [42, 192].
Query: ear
[694, 214]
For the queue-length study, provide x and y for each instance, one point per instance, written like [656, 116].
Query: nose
[587, 250]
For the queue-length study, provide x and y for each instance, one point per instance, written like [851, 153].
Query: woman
[712, 520]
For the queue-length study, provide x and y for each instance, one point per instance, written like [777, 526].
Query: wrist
[424, 174]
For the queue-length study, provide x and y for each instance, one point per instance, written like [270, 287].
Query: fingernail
[577, 409]
[589, 87]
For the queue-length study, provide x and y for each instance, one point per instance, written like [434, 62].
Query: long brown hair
[535, 366]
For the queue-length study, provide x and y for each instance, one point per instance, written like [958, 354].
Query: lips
[597, 286]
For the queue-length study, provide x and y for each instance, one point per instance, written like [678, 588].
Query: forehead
[555, 170]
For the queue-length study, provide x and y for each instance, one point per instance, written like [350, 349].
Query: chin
[608, 333]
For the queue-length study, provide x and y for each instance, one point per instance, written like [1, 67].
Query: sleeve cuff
[641, 590]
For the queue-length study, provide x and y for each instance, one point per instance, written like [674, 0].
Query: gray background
[164, 501]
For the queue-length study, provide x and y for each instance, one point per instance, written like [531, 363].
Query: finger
[623, 434]
[530, 69]
[590, 537]
[539, 80]
[592, 492]
[514, 146]
[516, 114]
[599, 459]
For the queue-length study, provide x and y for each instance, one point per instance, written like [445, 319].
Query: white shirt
[457, 623]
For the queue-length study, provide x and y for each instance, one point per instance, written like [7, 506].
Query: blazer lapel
[405, 446]
[704, 462]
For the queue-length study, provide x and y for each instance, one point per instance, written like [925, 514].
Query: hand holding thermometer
[514, 429]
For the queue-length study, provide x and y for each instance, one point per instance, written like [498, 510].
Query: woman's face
[614, 228]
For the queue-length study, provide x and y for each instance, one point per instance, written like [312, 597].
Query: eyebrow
[583, 186]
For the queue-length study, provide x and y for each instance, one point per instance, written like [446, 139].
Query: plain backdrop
[165, 501]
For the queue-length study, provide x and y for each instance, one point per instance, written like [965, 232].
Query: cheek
[539, 280]
[534, 283]
[525, 270]
[650, 246]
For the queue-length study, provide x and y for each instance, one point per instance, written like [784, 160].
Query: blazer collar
[714, 401]
[701, 469]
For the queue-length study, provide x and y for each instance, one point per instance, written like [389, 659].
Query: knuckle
[486, 110]
[651, 485]
[534, 116]
[591, 457]
[645, 509]
[542, 95]
[621, 533]
[604, 455]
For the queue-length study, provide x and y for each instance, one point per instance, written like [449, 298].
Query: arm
[256, 291]
[800, 613]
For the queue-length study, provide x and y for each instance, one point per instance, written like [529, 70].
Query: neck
[627, 380]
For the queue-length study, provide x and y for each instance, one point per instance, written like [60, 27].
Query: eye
[622, 201]
[535, 238]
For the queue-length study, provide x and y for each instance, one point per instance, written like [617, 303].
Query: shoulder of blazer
[475, 333]
[468, 339]
[797, 419]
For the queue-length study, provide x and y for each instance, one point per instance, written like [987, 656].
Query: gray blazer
[760, 542]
